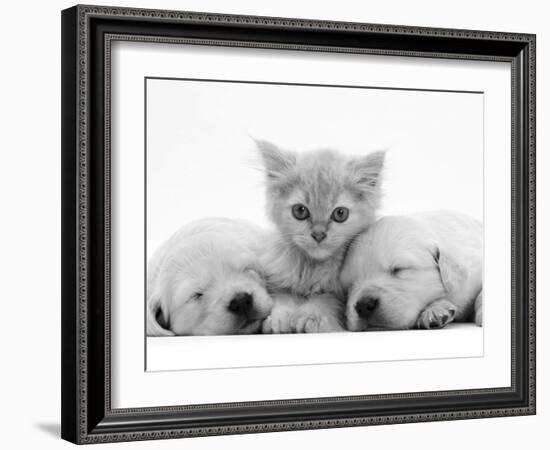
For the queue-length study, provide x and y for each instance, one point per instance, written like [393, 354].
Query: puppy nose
[318, 235]
[241, 304]
[366, 306]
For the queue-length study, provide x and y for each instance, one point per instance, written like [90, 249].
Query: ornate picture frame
[88, 33]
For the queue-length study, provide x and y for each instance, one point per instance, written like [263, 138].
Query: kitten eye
[340, 214]
[300, 212]
[197, 295]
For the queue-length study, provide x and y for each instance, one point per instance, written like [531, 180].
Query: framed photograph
[279, 224]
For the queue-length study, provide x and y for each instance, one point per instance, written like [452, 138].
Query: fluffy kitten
[319, 201]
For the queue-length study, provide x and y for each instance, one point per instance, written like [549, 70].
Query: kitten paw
[436, 315]
[306, 324]
[277, 323]
[312, 323]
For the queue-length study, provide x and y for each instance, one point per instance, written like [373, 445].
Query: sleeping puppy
[417, 271]
[203, 281]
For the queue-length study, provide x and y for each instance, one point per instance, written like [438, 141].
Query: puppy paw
[436, 315]
[479, 318]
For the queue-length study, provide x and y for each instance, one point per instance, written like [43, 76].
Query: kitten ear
[276, 161]
[366, 171]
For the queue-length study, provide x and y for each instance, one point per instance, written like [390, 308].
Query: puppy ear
[278, 163]
[453, 274]
[157, 322]
[366, 172]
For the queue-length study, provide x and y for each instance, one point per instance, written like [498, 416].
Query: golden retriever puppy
[417, 271]
[204, 281]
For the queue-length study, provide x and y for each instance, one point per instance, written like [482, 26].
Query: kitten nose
[318, 235]
[241, 303]
[366, 306]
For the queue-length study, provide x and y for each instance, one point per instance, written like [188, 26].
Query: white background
[201, 161]
[30, 141]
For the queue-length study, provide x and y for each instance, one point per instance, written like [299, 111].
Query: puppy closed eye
[398, 270]
[255, 272]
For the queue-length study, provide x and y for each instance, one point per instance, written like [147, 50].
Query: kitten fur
[322, 180]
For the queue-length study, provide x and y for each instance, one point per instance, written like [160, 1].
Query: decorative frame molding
[87, 34]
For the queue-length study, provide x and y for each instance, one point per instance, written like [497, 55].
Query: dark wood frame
[87, 32]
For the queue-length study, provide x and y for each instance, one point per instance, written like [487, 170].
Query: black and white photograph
[294, 208]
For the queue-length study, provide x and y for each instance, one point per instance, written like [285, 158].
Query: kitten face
[320, 200]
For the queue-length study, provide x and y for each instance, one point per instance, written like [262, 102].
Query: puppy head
[391, 274]
[213, 292]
